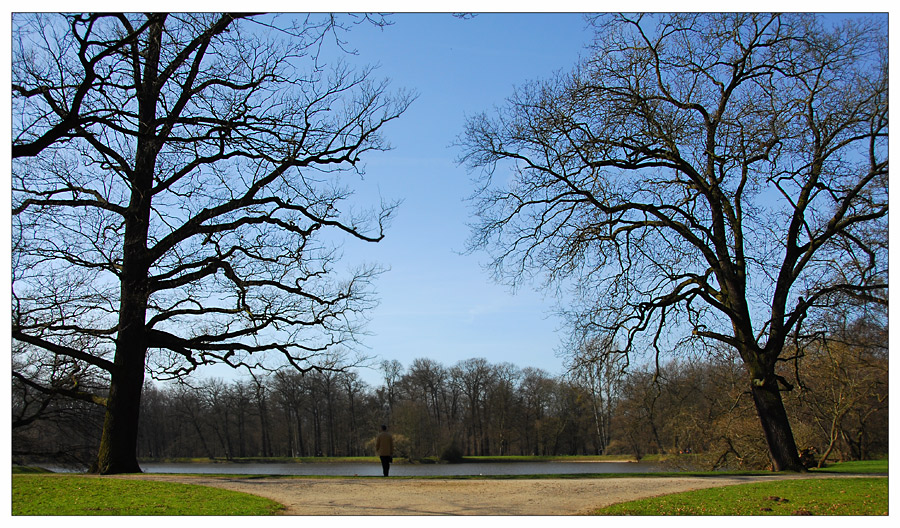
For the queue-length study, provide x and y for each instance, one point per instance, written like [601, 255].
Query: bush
[452, 454]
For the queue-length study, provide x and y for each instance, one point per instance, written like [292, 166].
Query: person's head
[384, 428]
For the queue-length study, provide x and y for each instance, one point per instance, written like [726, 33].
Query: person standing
[384, 448]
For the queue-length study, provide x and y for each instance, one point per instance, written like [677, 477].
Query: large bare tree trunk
[118, 442]
[120, 427]
[776, 427]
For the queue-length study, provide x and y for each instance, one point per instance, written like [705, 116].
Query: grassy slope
[34, 494]
[858, 496]
[859, 466]
[837, 496]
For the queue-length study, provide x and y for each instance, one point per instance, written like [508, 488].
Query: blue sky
[437, 302]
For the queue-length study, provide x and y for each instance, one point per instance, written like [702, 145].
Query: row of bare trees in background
[475, 407]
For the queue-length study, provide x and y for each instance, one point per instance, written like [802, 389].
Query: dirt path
[303, 496]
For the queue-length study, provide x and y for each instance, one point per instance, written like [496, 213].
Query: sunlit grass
[88, 495]
[831, 496]
[857, 466]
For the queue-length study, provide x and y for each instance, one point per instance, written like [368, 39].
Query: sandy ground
[375, 496]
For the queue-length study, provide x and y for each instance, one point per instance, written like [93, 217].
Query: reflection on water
[404, 470]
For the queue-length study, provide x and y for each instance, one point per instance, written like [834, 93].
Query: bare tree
[475, 376]
[536, 386]
[713, 176]
[500, 405]
[598, 368]
[292, 400]
[423, 389]
[354, 390]
[178, 196]
[844, 380]
[391, 371]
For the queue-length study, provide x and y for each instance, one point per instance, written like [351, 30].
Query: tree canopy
[177, 197]
[700, 176]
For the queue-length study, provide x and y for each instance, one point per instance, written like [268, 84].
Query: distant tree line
[476, 407]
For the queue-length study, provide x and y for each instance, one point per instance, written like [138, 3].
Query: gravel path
[375, 496]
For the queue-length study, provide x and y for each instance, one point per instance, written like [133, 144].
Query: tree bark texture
[776, 427]
[117, 453]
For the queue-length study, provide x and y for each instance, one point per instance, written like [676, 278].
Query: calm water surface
[404, 470]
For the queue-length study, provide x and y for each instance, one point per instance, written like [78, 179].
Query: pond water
[403, 470]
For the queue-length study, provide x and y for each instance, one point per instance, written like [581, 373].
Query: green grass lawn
[34, 494]
[856, 466]
[837, 496]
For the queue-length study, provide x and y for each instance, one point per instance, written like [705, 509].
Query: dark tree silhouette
[724, 175]
[177, 197]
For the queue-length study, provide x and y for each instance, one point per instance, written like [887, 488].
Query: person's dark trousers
[386, 464]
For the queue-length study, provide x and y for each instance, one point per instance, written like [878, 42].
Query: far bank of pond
[472, 466]
[401, 469]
